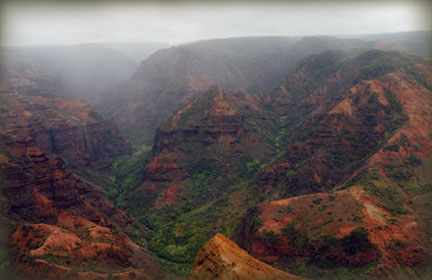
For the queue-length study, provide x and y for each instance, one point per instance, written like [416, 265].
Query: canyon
[242, 158]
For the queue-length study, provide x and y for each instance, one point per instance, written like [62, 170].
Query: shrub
[317, 201]
[373, 97]
[356, 241]
[413, 160]
[394, 106]
[295, 236]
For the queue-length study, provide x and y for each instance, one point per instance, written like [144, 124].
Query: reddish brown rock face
[172, 78]
[335, 160]
[381, 203]
[212, 133]
[220, 258]
[63, 222]
[339, 123]
[340, 149]
[68, 128]
[64, 227]
[326, 227]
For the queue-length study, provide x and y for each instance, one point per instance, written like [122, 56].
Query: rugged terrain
[68, 128]
[312, 154]
[62, 226]
[64, 127]
[345, 134]
[171, 78]
[58, 224]
[374, 161]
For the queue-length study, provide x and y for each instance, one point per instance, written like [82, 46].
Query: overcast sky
[26, 23]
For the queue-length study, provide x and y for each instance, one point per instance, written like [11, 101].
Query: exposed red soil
[339, 213]
[66, 127]
[400, 239]
[168, 198]
[215, 133]
[63, 224]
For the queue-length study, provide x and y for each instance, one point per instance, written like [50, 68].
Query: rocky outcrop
[63, 226]
[345, 228]
[373, 217]
[213, 134]
[220, 258]
[63, 127]
[333, 118]
[340, 122]
[172, 78]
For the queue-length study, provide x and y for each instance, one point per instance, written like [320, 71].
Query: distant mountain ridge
[413, 42]
[173, 77]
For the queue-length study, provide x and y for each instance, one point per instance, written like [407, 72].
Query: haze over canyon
[235, 150]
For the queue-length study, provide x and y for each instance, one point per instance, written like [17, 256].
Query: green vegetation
[394, 106]
[216, 170]
[394, 245]
[322, 244]
[356, 241]
[198, 107]
[317, 200]
[412, 160]
[397, 172]
[419, 77]
[373, 97]
[179, 232]
[324, 66]
[200, 185]
[5, 252]
[391, 195]
[100, 179]
[376, 63]
[296, 237]
[128, 172]
[255, 222]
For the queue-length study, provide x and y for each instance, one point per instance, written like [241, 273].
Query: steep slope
[218, 133]
[220, 258]
[199, 154]
[62, 226]
[171, 78]
[64, 127]
[325, 147]
[86, 71]
[371, 146]
[27, 80]
[316, 131]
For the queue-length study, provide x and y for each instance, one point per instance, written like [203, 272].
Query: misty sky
[26, 23]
